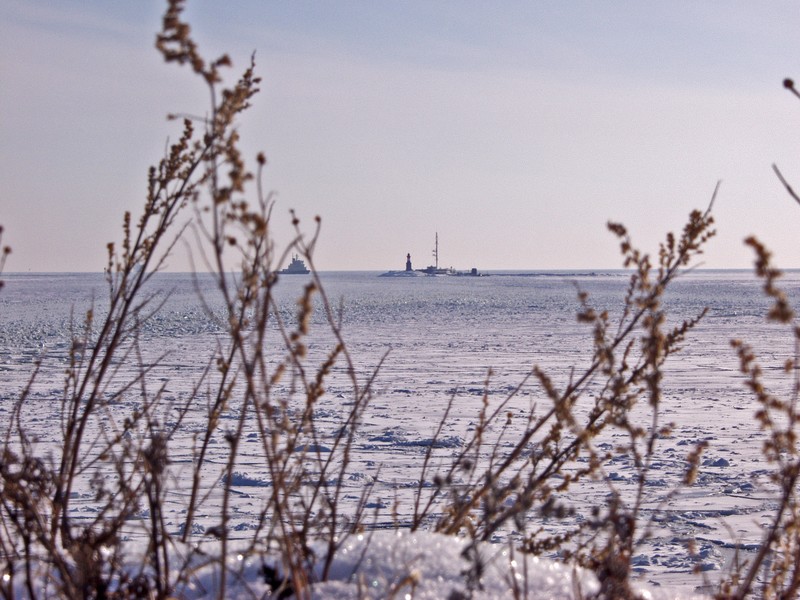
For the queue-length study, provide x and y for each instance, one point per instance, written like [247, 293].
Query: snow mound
[405, 565]
[429, 566]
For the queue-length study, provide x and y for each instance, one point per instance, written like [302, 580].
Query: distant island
[433, 269]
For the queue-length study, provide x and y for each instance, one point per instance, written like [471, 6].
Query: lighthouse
[408, 262]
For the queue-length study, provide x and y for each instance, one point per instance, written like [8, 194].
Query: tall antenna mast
[436, 251]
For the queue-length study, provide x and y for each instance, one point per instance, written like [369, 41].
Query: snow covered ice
[443, 335]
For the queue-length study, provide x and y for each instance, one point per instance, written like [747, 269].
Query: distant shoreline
[493, 272]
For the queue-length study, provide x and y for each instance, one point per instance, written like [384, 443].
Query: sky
[515, 130]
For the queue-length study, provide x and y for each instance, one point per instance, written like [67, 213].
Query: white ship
[296, 267]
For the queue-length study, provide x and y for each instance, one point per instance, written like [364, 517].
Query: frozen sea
[438, 337]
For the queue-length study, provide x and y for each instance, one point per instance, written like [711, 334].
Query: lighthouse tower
[408, 262]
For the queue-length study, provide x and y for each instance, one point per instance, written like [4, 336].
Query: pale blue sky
[514, 129]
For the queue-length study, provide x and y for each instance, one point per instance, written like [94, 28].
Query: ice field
[438, 337]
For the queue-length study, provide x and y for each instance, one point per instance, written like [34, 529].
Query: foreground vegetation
[204, 181]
